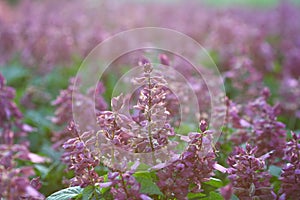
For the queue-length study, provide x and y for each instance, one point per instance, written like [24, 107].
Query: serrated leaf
[147, 184]
[214, 182]
[66, 194]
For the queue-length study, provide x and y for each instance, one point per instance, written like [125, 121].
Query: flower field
[141, 100]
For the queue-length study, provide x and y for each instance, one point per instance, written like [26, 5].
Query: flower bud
[203, 125]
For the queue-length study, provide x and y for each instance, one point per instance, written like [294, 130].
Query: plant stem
[149, 114]
[149, 120]
[123, 184]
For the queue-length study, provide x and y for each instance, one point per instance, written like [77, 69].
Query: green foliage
[66, 194]
[195, 196]
[233, 197]
[275, 183]
[42, 170]
[274, 170]
[214, 196]
[148, 186]
[15, 75]
[217, 183]
[44, 87]
[90, 193]
[110, 81]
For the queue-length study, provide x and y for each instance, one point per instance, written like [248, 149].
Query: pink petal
[220, 168]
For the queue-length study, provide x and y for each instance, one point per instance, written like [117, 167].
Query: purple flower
[194, 166]
[14, 179]
[257, 123]
[248, 174]
[151, 110]
[80, 159]
[203, 125]
[290, 93]
[63, 112]
[10, 115]
[290, 177]
[164, 59]
[123, 185]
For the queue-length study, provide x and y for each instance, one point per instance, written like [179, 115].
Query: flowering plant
[138, 146]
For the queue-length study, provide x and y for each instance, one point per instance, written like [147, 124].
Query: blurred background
[255, 43]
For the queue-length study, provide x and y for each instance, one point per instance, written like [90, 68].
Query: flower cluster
[257, 123]
[63, 112]
[151, 110]
[150, 118]
[149, 129]
[290, 92]
[290, 176]
[14, 179]
[124, 185]
[248, 174]
[268, 133]
[194, 166]
[10, 116]
[146, 131]
[79, 159]
[83, 162]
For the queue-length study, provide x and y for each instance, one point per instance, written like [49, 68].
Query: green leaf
[15, 75]
[91, 193]
[274, 170]
[142, 166]
[214, 182]
[87, 192]
[42, 170]
[214, 196]
[234, 197]
[148, 186]
[66, 194]
[105, 190]
[195, 196]
[275, 183]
